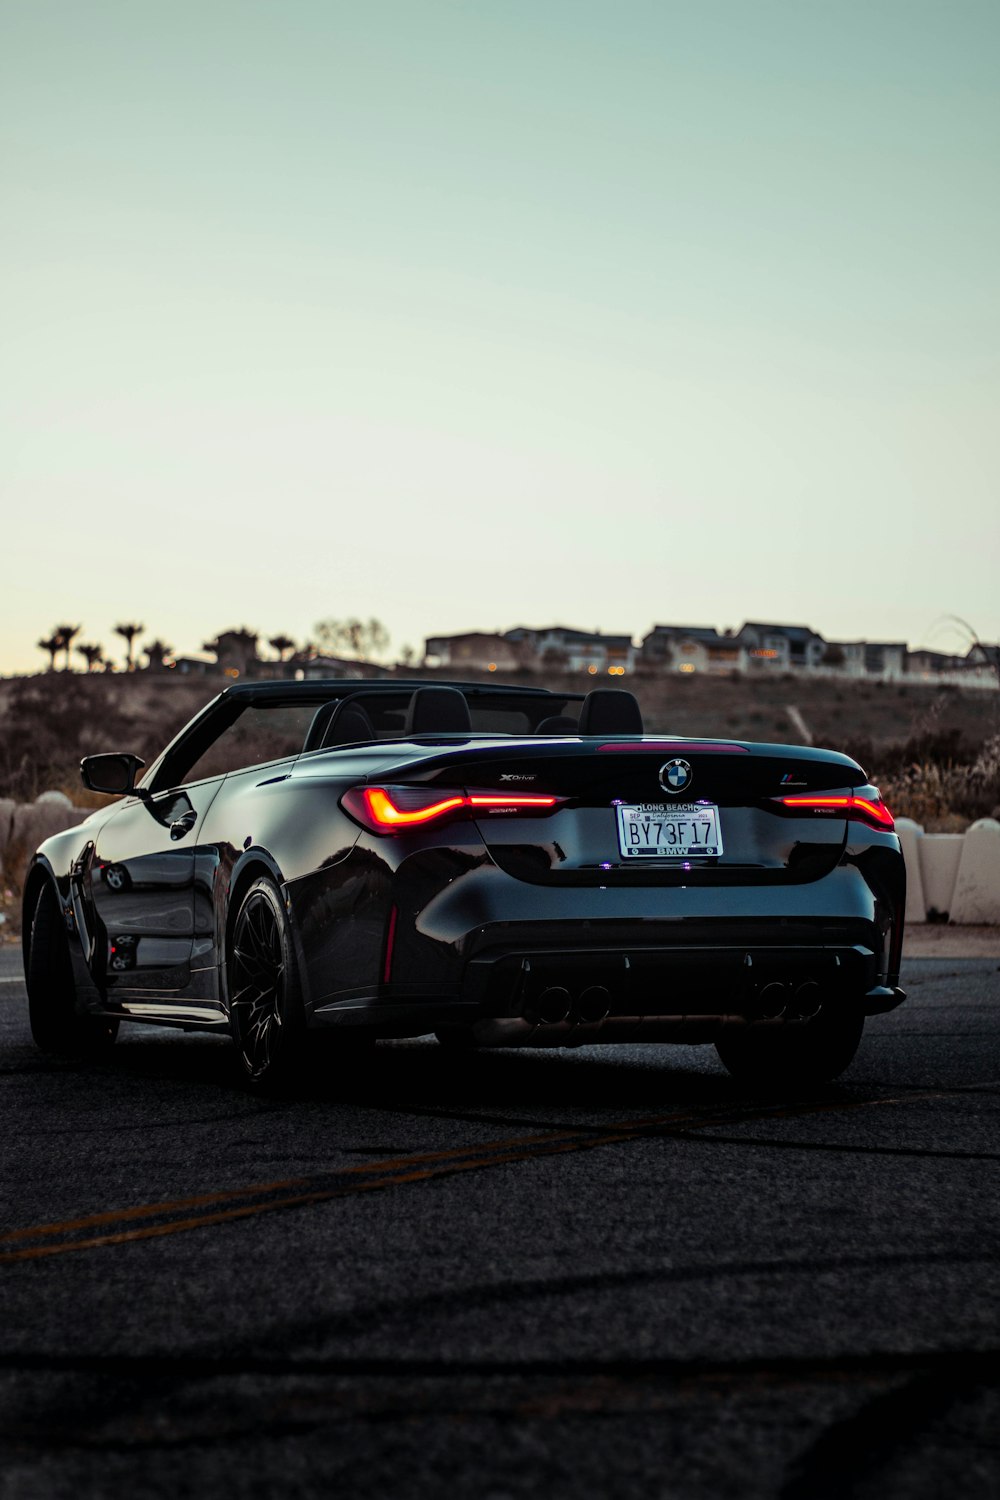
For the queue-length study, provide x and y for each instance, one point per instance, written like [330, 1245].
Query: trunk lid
[762, 842]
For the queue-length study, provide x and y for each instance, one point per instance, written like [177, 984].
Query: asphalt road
[604, 1272]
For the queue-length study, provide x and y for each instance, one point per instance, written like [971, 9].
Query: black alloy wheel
[56, 1024]
[265, 1006]
[795, 1053]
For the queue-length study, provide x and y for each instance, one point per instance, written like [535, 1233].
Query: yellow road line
[401, 1170]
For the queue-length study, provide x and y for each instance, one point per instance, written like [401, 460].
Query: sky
[466, 314]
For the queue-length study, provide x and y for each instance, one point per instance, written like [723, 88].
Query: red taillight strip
[514, 803]
[863, 807]
[375, 807]
[383, 811]
[679, 747]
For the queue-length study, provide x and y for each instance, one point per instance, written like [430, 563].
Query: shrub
[935, 793]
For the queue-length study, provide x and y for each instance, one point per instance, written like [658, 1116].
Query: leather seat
[610, 711]
[438, 710]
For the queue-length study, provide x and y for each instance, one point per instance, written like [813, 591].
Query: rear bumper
[614, 989]
[483, 947]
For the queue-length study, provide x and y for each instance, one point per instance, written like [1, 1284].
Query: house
[475, 650]
[561, 648]
[885, 659]
[193, 666]
[235, 653]
[307, 668]
[692, 648]
[786, 648]
[983, 664]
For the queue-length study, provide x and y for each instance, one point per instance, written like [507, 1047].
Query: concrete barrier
[910, 836]
[955, 876]
[7, 807]
[976, 897]
[23, 826]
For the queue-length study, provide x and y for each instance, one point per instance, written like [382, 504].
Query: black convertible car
[503, 866]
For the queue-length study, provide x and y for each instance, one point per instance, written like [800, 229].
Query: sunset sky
[469, 315]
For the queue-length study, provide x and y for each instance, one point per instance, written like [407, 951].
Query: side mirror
[113, 774]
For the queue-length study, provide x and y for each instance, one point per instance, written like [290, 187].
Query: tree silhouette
[52, 645]
[353, 636]
[66, 634]
[283, 644]
[91, 654]
[128, 633]
[156, 651]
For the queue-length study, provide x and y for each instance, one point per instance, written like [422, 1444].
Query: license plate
[669, 830]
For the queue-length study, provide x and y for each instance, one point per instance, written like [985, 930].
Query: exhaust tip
[551, 1006]
[593, 1005]
[771, 1001]
[808, 1000]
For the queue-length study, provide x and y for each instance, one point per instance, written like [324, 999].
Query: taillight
[871, 810]
[382, 809]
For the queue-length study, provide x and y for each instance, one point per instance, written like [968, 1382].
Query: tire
[56, 1025]
[815, 1051]
[266, 1015]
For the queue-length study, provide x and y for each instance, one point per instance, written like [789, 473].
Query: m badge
[675, 776]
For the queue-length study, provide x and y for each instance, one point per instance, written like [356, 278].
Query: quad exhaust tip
[772, 1001]
[555, 1005]
[593, 1005]
[777, 1001]
[808, 1000]
[551, 1007]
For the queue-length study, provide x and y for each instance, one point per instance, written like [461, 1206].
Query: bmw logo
[675, 776]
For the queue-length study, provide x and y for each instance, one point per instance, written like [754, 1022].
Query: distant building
[562, 648]
[983, 662]
[193, 666]
[235, 653]
[476, 650]
[786, 648]
[692, 648]
[758, 646]
[306, 668]
[927, 665]
[885, 659]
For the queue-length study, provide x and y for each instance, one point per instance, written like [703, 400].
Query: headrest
[610, 711]
[350, 725]
[438, 710]
[338, 723]
[557, 724]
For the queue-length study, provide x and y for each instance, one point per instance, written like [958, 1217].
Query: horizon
[430, 314]
[388, 656]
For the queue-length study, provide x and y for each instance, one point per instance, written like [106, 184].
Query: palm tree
[128, 632]
[91, 654]
[67, 634]
[156, 651]
[52, 645]
[282, 644]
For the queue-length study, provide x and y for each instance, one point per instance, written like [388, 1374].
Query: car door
[144, 893]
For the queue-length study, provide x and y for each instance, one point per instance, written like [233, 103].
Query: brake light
[863, 809]
[675, 747]
[383, 809]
